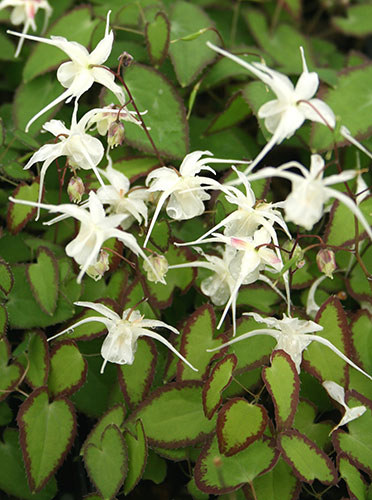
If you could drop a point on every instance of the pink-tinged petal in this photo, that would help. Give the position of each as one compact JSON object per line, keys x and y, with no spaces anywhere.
{"x":100,"y":308}
{"x":306,"y":86}
{"x":318,"y":111}
{"x":103,"y":49}
{"x":105,"y":78}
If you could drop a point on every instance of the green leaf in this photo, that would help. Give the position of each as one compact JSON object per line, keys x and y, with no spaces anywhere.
{"x":7,"y":48}
{"x":218,"y":380}
{"x":197,"y":337}
{"x":113,"y":416}
{"x":236,"y":110}
{"x":6,"y":277}
{"x":68,"y":369}
{"x":46,"y":57}
{"x":357,"y":22}
{"x":355,"y":484}
{"x":189,"y":58}
{"x":156,"y":468}
{"x":136,"y":379}
{"x":358,"y":284}
{"x":277,"y":483}
{"x":47,"y":431}
{"x":107,"y":463}
{"x":137,"y":456}
{"x":6,"y":414}
{"x":283,"y":384}
{"x":10,"y":374}
{"x":12,"y":471}
{"x":3,"y":320}
{"x":160,"y":236}
{"x":33,"y":96}
{"x":36,"y":360}
{"x":166,"y":113}
{"x":43,"y":280}
{"x":361,"y":331}
{"x":294,"y":7}
{"x":239,"y":424}
{"x":307,"y":460}
{"x":18,"y":215}
{"x":346,"y":103}
{"x":173,"y":416}
{"x":157,"y":38}
{"x":218,"y":474}
{"x":15,"y":171}
{"x":304,"y":422}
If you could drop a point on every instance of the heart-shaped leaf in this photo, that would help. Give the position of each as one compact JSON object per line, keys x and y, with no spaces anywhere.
{"x":157,"y":38}
{"x":36,"y":359}
{"x":44,"y":280}
{"x":18,"y":215}
{"x":47,"y":431}
{"x":354,"y":480}
{"x":279,"y":482}
{"x":114,"y":416}
{"x":10,"y":374}
{"x":68,"y":369}
{"x":137,"y":456}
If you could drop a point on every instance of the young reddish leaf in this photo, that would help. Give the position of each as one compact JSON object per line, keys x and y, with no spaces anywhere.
{"x":68,"y":369}
{"x":3,"y":320}
{"x":107,"y":463}
{"x":354,"y":480}
{"x":10,"y":374}
{"x":13,"y":480}
{"x":307,"y":460}
{"x":197,"y":337}
{"x":6,"y":277}
{"x":283,"y":383}
{"x":218,"y":380}
{"x":239,"y":424}
{"x":319,"y":359}
{"x":36,"y":361}
{"x":47,"y":431}
{"x":278,"y":483}
{"x":157,"y":38}
{"x":236,"y":110}
{"x":173,"y":416}
{"x":137,"y":456}
{"x":216,"y":474}
{"x":113,"y":416}
{"x":18,"y":215}
{"x":354,"y":443}
{"x":43,"y":278}
{"x":135,"y":380}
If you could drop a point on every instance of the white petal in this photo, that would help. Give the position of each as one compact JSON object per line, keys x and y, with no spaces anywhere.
{"x":103,"y":49}
{"x":307,"y":85}
{"x":100,"y":308}
{"x":318,"y":111}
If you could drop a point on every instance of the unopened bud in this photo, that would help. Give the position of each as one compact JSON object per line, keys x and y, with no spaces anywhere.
{"x":75,"y":189}
{"x":159,"y":263}
{"x":115,"y":134}
{"x":126,"y":59}
{"x":97,"y":270}
{"x":326,"y":261}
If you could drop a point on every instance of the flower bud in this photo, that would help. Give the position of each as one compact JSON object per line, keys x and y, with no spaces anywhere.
{"x":97,"y":270}
{"x":160,"y":264}
{"x":115,"y":134}
{"x":326,"y":261}
{"x":126,"y":59}
{"x":75,"y":189}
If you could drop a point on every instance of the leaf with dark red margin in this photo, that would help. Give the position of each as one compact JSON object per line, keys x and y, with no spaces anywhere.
{"x":198,"y":336}
{"x":157,"y":35}
{"x":136,"y":379}
{"x":43,"y":277}
{"x":305,"y":423}
{"x":36,"y":359}
{"x":277,"y":484}
{"x":6,"y":277}
{"x":107,"y":463}
{"x":10,"y":374}
{"x":47,"y":431}
{"x":114,"y":415}
{"x":356,"y":443}
{"x":216,"y":474}
{"x":137,"y":456}
{"x":218,"y":380}
{"x":68,"y":369}
{"x":361,"y":333}
{"x":318,"y":359}
{"x":18,"y":215}
{"x":283,"y":384}
{"x":356,"y":485}
{"x":308,"y":462}
{"x":3,"y":320}
{"x":239,"y":424}
{"x":173,"y":416}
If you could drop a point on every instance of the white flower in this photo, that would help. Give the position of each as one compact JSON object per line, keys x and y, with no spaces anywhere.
{"x":185,"y":189}
{"x":310,"y":191}
{"x":82,"y":150}
{"x":79,"y":74}
{"x":108,"y":115}
{"x":294,"y":104}
{"x":130,"y":204}
{"x":121,"y":342}
{"x":95,"y":229}
{"x":24,"y":12}
{"x":337,"y":392}
{"x":292,"y":336}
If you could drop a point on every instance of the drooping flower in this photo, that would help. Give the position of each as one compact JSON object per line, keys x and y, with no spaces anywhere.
{"x":293,"y":336}
{"x":184,"y":188}
{"x":95,"y":229}
{"x":293,"y":105}
{"x":123,"y":332}
{"x":24,"y":12}
{"x":337,"y":392}
{"x":79,"y":74}
{"x":82,"y":150}
{"x":310,"y":191}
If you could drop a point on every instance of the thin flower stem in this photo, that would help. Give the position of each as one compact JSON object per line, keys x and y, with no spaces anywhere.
{"x":132,"y":264}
